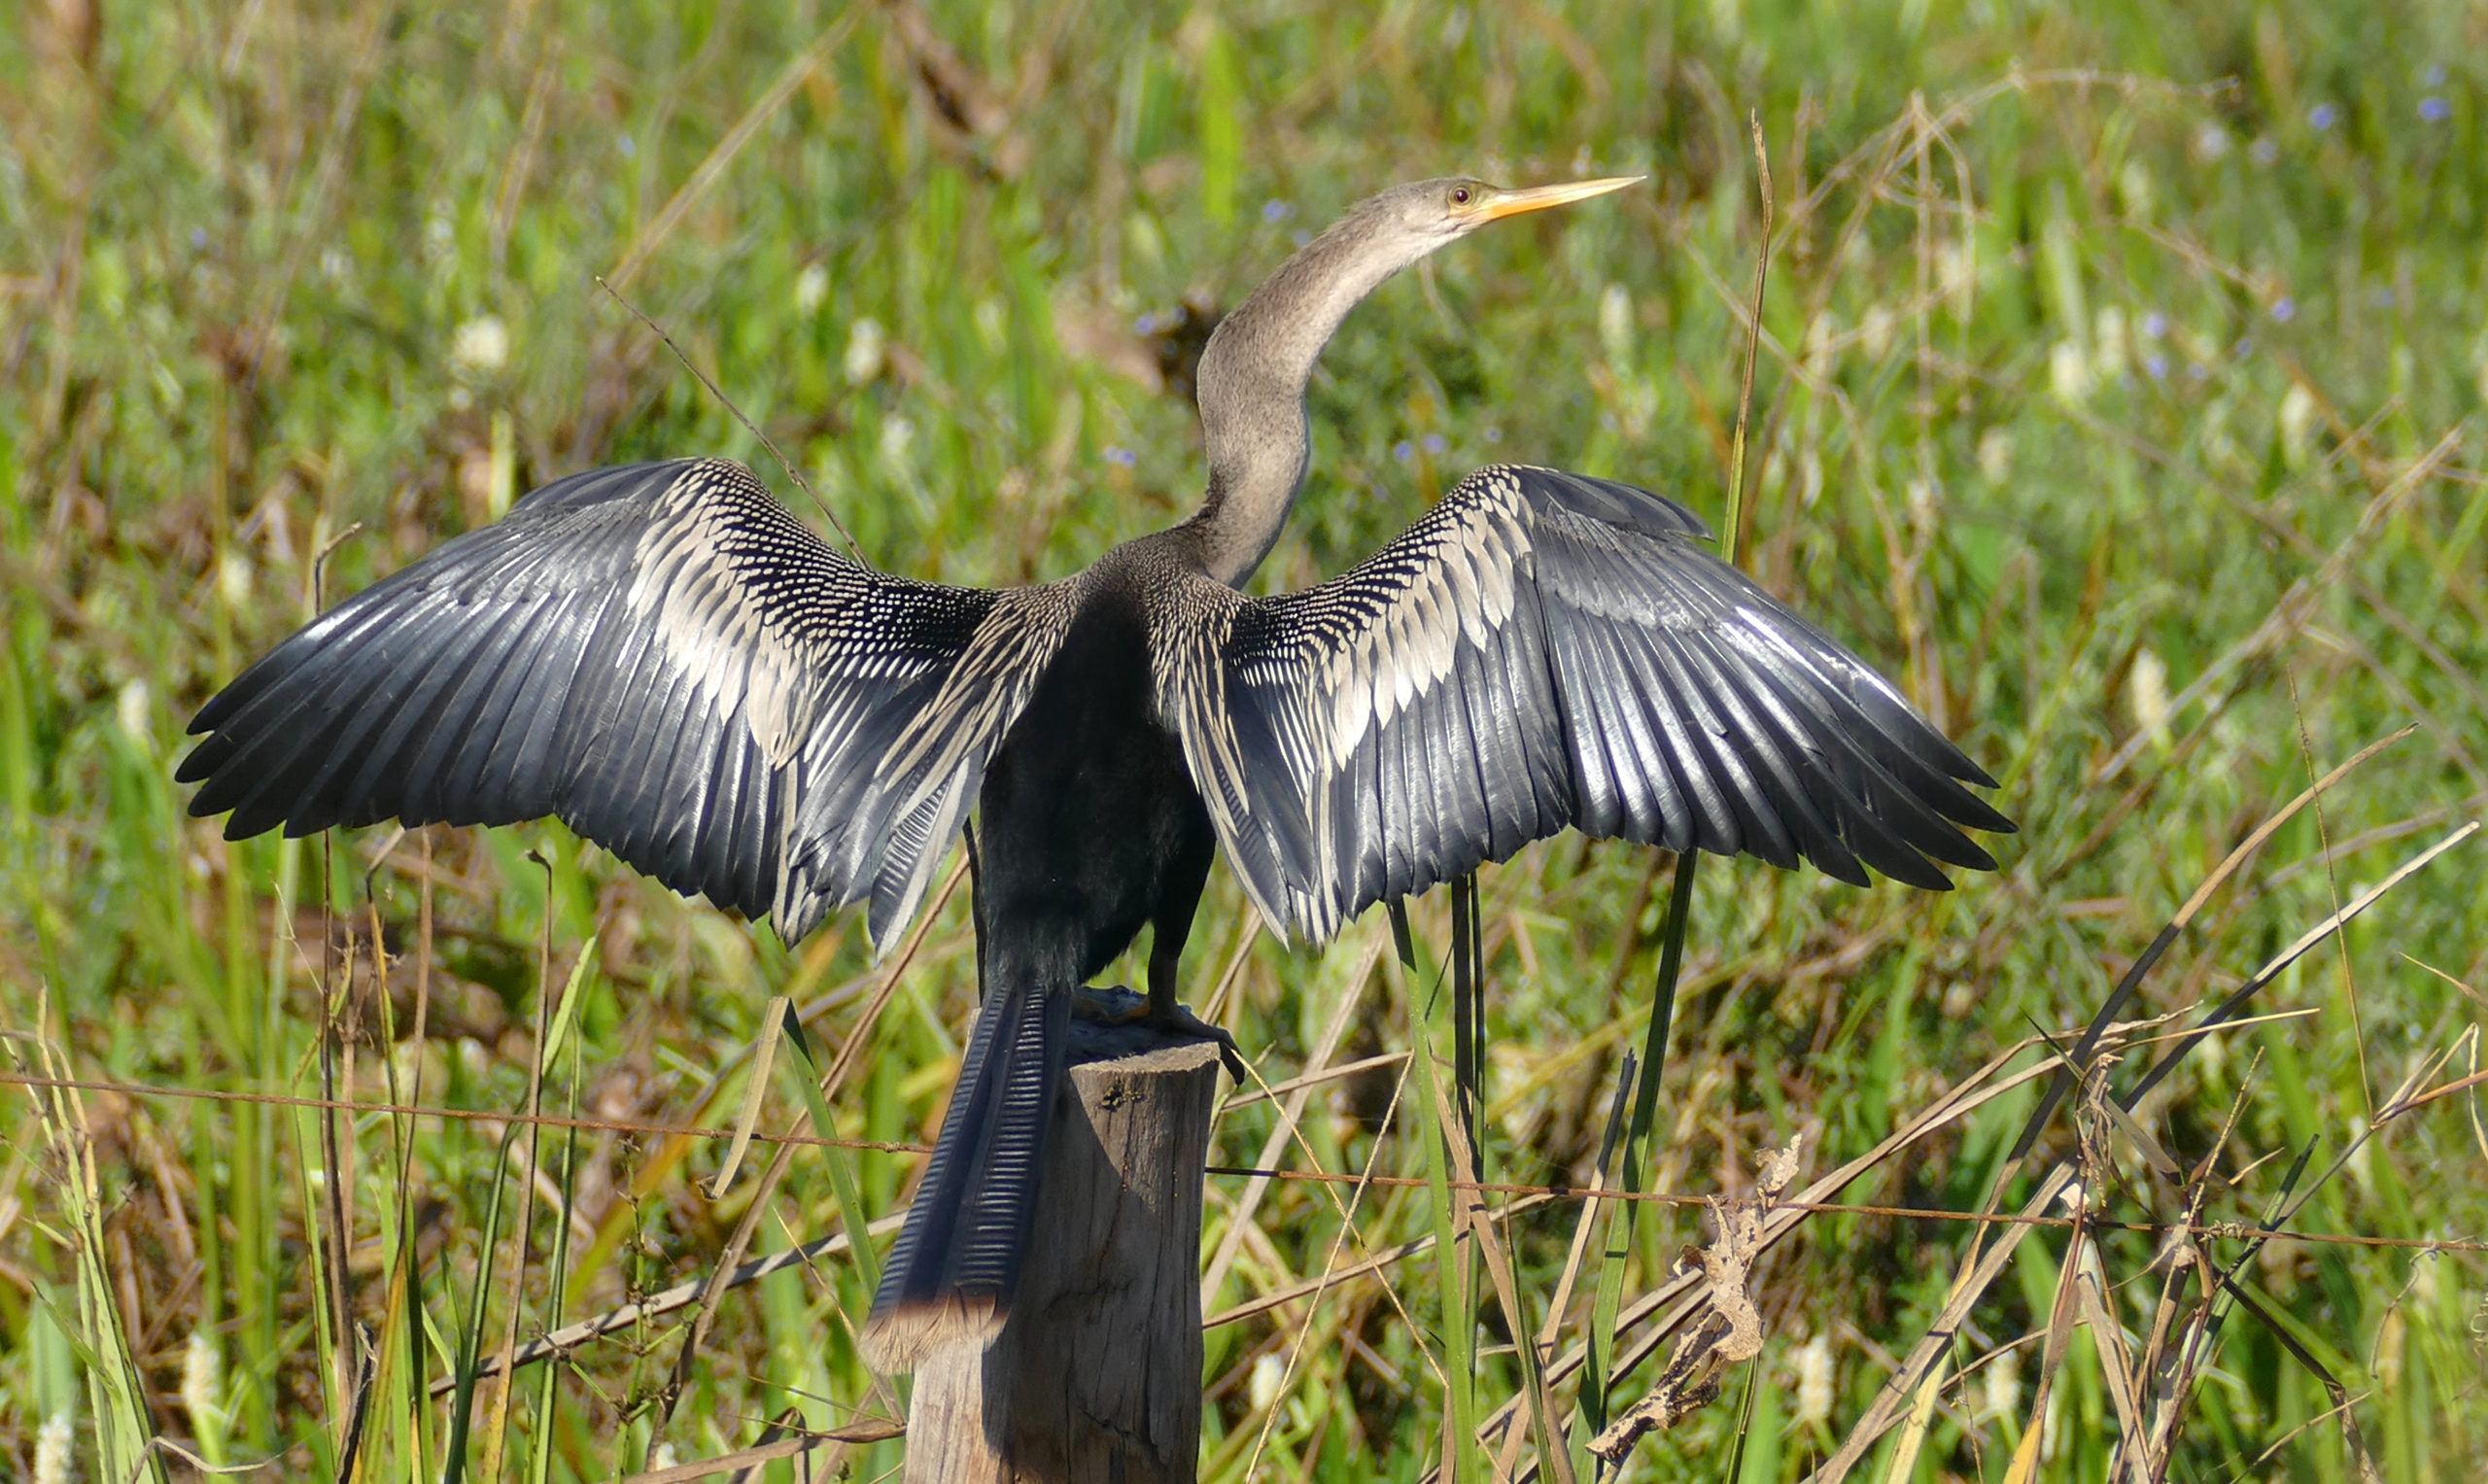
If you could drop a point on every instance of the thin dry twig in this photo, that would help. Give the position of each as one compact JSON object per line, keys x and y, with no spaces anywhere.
{"x":1884,"y":1411}
{"x":784,"y":1159}
{"x":657,"y":1305}
{"x":1290,"y":1114}
{"x":1472,"y":1221}
{"x":871,"y":1430}
{"x":1668,"y":1306}
{"x":748,"y":426}
{"x":1730,"y":1328}
{"x":2298,"y":603}
{"x":649,"y":238}
{"x":2132,"y":981}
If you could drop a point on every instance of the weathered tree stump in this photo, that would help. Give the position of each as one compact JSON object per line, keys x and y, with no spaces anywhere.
{"x":1096,"y":1375}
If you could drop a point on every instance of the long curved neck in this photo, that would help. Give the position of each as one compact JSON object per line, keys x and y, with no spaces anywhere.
{"x":1251,"y":386}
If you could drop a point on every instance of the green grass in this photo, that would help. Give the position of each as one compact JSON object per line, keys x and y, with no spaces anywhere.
{"x":2127,"y":382}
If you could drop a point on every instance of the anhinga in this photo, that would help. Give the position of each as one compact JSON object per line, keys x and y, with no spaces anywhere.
{"x":664,"y":658}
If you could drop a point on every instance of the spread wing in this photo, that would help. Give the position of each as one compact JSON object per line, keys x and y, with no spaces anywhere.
{"x":664,"y":658}
{"x":1540,"y":650}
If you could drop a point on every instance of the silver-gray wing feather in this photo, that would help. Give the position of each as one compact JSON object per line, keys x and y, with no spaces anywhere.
{"x":660,"y":655}
{"x":1542,"y":650}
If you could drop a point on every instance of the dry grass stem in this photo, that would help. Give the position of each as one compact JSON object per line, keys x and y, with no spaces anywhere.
{"x":1729,"y":1328}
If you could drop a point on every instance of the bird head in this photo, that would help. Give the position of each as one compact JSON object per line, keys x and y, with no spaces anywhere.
{"x":1408,"y":222}
{"x":1253,"y":371}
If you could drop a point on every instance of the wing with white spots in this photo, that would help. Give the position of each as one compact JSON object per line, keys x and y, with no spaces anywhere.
{"x":930,"y":774}
{"x":660,"y":655}
{"x":1540,"y":650}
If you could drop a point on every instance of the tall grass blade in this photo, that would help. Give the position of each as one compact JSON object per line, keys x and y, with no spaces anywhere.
{"x":557,"y":1280}
{"x":1467,"y":1010}
{"x":1585,"y":1230}
{"x":469,"y":1339}
{"x":853,"y":1216}
{"x":756,"y":1097}
{"x":1462,"y":1462}
{"x":309,"y":1177}
{"x":116,"y":1392}
{"x":497,"y":1429}
{"x":1597,"y":1344}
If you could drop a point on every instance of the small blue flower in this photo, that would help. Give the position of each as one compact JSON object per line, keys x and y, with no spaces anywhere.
{"x":1146,"y":324}
{"x":198,"y":238}
{"x":1494,"y":435}
{"x":2433,"y":77}
{"x":2156,"y":364}
{"x":627,"y":148}
{"x":1114,"y":454}
{"x":1301,"y":237}
{"x":2154,"y":325}
{"x":2199,"y":371}
{"x":1433,"y":442}
{"x":2435,"y":110}
{"x":2321,"y":117}
{"x":2244,"y":347}
{"x":2285,"y":309}
{"x":1275,"y":212}
{"x":1403,"y":450}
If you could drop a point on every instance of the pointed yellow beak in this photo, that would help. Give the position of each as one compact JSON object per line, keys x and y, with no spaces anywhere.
{"x":1511,"y":203}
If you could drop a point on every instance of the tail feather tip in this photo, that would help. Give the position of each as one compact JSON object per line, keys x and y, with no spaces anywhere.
{"x":902,"y":1337}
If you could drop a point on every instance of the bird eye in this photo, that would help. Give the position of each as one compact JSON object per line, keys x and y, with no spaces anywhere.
{"x":1460,"y":195}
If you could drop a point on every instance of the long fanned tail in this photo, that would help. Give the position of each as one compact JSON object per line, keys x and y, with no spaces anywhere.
{"x":952,"y":1274}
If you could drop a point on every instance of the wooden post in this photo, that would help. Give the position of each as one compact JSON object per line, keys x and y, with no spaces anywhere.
{"x":1097,"y":1372}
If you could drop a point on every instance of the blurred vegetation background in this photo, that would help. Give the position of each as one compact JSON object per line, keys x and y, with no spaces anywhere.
{"x":2121,"y":389}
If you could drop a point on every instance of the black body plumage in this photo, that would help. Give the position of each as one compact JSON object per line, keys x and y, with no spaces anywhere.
{"x":1089,"y":828}
{"x":664,"y":658}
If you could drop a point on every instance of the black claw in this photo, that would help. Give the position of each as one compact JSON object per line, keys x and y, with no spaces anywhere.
{"x":1230,"y":1057}
{"x":1115,"y":1005}
{"x":1183,"y":1023}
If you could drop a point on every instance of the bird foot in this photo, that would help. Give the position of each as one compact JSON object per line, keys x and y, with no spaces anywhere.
{"x":1178,"y":1021}
{"x":1115,"y":1006}
{"x":1109,"y":1005}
